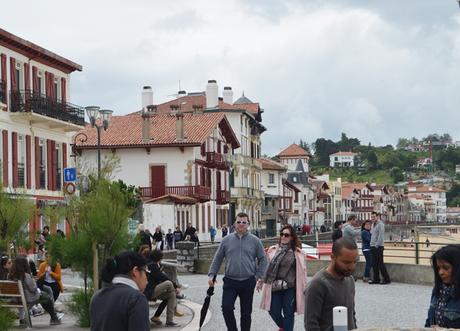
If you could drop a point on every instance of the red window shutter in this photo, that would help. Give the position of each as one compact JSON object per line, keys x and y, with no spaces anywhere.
{"x":203,"y":218}
{"x":37,"y":163}
{"x":203,"y":149}
{"x":219,"y":147}
{"x":63,"y":90}
{"x":5,"y":157}
{"x":225,"y":149}
{"x":208,"y":178}
{"x":52,"y":94}
{"x":53,"y":165}
{"x":35,"y":79}
{"x":197,"y":219}
{"x":26,"y":77}
{"x":49,"y":164}
{"x":64,"y":155}
{"x":28,"y":165}
{"x":3,"y":78}
{"x":14,"y":83}
{"x":14,"y":156}
{"x":48,"y":86}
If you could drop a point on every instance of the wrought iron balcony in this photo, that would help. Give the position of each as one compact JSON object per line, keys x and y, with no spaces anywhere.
{"x":2,"y":91}
{"x":201,"y":193}
{"x":26,"y":101}
{"x":222,"y":197}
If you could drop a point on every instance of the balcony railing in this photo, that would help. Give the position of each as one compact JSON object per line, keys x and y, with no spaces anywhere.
{"x":246,"y":192}
{"x":2,"y":91}
{"x":222,"y":197}
{"x":214,"y":159}
{"x":27,"y":101}
{"x":201,"y":193}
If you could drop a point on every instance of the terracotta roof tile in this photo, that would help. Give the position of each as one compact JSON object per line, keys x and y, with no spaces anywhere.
{"x":294,"y":150}
{"x":268,"y":164}
{"x":127,"y":130}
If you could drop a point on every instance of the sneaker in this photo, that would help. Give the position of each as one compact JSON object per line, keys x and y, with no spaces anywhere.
{"x":184,"y":286}
{"x":55,"y":321}
{"x":180,"y":296}
{"x":171,"y":323}
{"x":372,"y":282}
{"x":156,"y":320}
{"x":60,"y":316}
{"x":22,"y":322}
{"x":178,"y":313}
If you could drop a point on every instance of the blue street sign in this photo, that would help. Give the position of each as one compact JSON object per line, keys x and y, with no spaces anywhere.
{"x":70,"y":174}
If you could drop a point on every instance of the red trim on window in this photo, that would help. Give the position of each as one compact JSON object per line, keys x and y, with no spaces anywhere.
{"x":37,"y":163}
{"x":26,"y":76}
{"x":64,"y":155}
{"x":28,"y":165}
{"x":14,"y":158}
{"x":5,"y":157}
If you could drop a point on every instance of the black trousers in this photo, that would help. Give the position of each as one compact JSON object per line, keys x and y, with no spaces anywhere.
{"x":245,"y":291}
{"x":378,"y":266}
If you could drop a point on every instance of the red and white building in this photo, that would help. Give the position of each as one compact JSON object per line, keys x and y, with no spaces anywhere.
{"x":431,"y":198}
{"x":37,"y":121}
{"x":178,"y":159}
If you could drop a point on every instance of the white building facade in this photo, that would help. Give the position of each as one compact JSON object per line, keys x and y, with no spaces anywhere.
{"x":342,"y":159}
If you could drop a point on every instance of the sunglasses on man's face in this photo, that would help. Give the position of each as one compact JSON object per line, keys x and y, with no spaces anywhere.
{"x":242,"y":222}
{"x":285,"y":234}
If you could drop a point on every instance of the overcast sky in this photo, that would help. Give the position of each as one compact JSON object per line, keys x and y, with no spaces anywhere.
{"x":377,"y":70}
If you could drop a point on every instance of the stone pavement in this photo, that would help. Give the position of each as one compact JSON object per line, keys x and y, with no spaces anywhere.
{"x":377,"y":307}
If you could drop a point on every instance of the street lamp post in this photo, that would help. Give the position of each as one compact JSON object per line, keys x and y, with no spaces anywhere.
{"x":94,"y":113}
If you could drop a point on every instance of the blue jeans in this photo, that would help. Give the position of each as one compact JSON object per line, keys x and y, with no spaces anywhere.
{"x":367,"y":268}
{"x":231,"y":290}
{"x":283,"y":301}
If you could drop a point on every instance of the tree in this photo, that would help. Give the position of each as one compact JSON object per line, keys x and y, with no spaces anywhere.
{"x":402,"y":143}
{"x":396,"y":174}
{"x":372,"y":162}
{"x":15,"y":212}
{"x":324,"y":148}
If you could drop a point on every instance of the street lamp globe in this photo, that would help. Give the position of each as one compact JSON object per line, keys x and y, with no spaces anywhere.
{"x":93,"y":114}
{"x":105,"y":115}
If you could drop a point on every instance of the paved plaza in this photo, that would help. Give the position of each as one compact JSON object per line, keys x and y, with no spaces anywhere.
{"x":377,"y":306}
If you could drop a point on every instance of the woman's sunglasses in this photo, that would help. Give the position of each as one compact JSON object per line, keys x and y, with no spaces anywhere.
{"x":285,"y":234}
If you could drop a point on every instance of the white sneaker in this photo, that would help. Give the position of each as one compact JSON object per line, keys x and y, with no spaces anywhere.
{"x":184,"y":286}
{"x":60,"y":316}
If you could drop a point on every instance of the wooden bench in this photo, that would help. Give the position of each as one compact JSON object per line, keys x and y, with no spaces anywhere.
{"x":12,"y":296}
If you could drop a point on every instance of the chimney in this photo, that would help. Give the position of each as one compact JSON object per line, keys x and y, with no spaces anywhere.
{"x":197,"y":109}
{"x":181,"y":94}
{"x":212,"y":94}
{"x":180,"y":127}
{"x":228,"y":95}
{"x":147,"y":97}
{"x":146,"y":114}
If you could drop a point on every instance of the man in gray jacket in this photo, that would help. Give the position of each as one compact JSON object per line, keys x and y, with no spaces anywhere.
{"x":377,"y":243}
{"x":350,"y":229}
{"x":245,"y":263}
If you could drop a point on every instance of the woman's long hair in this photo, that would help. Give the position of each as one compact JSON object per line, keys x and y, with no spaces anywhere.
{"x":20,"y":268}
{"x":122,"y":264}
{"x":295,"y":242}
{"x":364,"y":224}
{"x":451,"y":255}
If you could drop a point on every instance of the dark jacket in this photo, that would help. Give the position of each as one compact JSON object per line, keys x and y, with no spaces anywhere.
{"x":366,"y":239}
{"x":119,"y":308}
{"x":191,"y":231}
{"x":178,"y":236}
{"x":158,"y":236}
{"x":145,"y":239}
{"x":155,"y":277}
{"x":452,"y":313}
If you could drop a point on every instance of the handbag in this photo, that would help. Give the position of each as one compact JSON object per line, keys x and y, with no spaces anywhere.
{"x":279,"y":285}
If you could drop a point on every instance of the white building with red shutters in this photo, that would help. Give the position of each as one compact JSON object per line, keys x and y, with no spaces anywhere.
{"x":178,"y":159}
{"x":433,"y":198}
{"x":37,"y":121}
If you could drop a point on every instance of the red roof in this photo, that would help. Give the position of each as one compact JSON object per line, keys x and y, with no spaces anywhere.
{"x":344,"y":154}
{"x":347,"y":188}
{"x":268,"y":164}
{"x":174,"y":198}
{"x":294,"y":150}
{"x":424,"y":189}
{"x":126,"y":131}
{"x":187,"y":102}
{"x":37,"y":53}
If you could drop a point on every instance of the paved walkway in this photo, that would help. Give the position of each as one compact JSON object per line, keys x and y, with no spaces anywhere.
{"x":377,"y":306}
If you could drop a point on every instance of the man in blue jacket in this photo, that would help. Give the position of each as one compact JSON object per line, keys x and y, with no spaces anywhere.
{"x":245,"y":263}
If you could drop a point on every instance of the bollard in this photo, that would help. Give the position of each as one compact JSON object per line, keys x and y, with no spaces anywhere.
{"x":340,"y":318}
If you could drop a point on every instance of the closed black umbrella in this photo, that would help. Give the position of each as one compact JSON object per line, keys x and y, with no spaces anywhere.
{"x":207,"y":300}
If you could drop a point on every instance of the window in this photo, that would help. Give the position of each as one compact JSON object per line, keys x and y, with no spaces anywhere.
{"x":21,"y":160}
{"x":42,"y":164}
{"x":40,"y":85}
{"x":57,"y":158}
{"x":271,"y":178}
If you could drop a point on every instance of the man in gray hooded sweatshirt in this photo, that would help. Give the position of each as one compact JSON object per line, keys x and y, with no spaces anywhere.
{"x":245,"y":263}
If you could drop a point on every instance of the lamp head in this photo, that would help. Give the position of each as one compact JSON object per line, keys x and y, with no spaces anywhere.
{"x":93,"y":114}
{"x":106,"y":116}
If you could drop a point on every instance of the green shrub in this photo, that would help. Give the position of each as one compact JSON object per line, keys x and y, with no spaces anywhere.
{"x":78,"y":305}
{"x":7,"y":319}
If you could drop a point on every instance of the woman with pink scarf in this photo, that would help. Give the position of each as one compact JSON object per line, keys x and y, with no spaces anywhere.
{"x":285,"y":280}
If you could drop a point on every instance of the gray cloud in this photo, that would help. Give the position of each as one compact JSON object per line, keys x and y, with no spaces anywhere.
{"x":377,"y":70}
